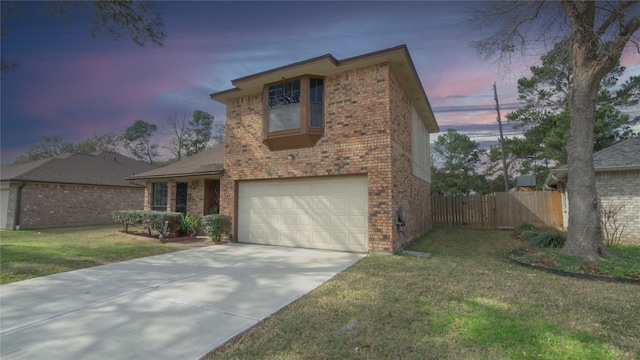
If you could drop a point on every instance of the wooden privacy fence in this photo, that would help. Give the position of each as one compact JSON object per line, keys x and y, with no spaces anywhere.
{"x":498,"y":210}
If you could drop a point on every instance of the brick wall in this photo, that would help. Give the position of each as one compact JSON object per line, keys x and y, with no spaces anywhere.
{"x":201,"y":195}
{"x":51,"y":205}
{"x":622,"y":188}
{"x":357,"y":140}
{"x":409,"y":191}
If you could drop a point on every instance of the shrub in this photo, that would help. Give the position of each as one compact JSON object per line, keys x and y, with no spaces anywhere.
{"x":548,"y":239}
{"x":189,"y":224}
{"x":524,"y":227}
{"x":150,"y":220}
{"x":215,"y":225}
{"x":154,"y":220}
{"x":613,"y":228}
{"x":127,"y":217}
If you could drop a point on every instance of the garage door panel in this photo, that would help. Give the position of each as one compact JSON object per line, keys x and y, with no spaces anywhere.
{"x":304,"y":204}
{"x":341,"y":188}
{"x":300,"y":189}
{"x":303,"y":238}
{"x":289,"y":219}
{"x":355,"y":238}
{"x":303,"y":220}
{"x":288,"y":203}
{"x":339,"y":221}
{"x":338,"y":204}
{"x":340,"y":239}
{"x":272,"y":203}
{"x":321,"y":204}
{"x":358,"y":222}
{"x":287,"y":236}
{"x":321,"y":221}
{"x":319,"y":213}
{"x":319,"y":237}
{"x":357,"y":204}
{"x":259,"y":218}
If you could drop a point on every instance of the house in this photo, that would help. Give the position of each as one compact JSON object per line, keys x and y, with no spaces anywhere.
{"x":69,"y":190}
{"x":330,"y":154}
{"x":617,"y":183}
{"x":189,"y":186}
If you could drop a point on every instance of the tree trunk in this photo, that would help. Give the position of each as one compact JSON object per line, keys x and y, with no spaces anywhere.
{"x":585,"y":236}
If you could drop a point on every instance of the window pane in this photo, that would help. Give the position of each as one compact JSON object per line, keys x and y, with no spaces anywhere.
{"x":316,"y":90}
{"x":284,"y":106}
{"x":284,"y":94}
{"x":159,"y":196}
{"x":284,"y":117}
{"x":316,"y":97}
{"x":316,"y":115}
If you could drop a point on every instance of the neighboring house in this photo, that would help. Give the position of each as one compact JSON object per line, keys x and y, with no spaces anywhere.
{"x":617,"y":183}
{"x":189,"y":186}
{"x":69,"y":190}
{"x":330,"y":154}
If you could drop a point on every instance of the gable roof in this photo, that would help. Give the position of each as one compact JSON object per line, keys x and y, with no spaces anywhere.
{"x":103,"y":168}
{"x":325,"y":65}
{"x":206,"y":163}
{"x":623,"y":156}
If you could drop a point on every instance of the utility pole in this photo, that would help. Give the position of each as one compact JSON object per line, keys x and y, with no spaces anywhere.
{"x":504,"y":157}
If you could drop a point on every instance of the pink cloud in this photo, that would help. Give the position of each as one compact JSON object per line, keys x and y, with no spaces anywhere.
{"x":98,"y":87}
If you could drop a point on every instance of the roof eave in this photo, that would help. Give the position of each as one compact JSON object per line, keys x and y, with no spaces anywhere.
{"x":560,"y":175}
{"x":14,"y":180}
{"x":618,"y":168}
{"x":177,"y":175}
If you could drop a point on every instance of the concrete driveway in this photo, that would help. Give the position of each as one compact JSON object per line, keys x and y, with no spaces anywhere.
{"x":173,"y":306}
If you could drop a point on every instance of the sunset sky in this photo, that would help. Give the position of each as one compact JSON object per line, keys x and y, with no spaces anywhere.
{"x":73,"y":86}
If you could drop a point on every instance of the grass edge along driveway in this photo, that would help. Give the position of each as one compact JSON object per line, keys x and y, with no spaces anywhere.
{"x":27,"y":254}
{"x":465,"y":302}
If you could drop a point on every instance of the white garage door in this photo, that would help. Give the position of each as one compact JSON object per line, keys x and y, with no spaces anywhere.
{"x":4,"y":207}
{"x":313,"y":213}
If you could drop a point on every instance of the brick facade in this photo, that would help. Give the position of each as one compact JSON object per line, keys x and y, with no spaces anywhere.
{"x":622,"y":188}
{"x":50,"y":205}
{"x":367,"y":131}
{"x":202,"y":195}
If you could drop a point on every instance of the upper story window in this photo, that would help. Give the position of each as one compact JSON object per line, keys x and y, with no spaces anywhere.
{"x":284,"y":106}
{"x":293,"y":113}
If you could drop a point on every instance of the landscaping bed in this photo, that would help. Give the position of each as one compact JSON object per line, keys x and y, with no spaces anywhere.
{"x":622,"y":263}
{"x":624,"y":266}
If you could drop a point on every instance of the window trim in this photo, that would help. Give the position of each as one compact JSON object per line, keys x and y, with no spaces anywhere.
{"x":303,"y":136}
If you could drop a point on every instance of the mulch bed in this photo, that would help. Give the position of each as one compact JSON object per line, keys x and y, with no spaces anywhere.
{"x":185,"y":240}
{"x":589,"y":272}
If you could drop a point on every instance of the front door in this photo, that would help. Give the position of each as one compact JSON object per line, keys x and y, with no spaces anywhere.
{"x":181,"y":197}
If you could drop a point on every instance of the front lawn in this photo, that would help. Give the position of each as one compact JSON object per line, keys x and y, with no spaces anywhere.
{"x":466,"y":301}
{"x":27,"y":254}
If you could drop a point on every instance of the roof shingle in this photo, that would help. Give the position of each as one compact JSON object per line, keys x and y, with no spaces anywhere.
{"x":208,"y":162}
{"x":625,"y":153}
{"x":103,"y":168}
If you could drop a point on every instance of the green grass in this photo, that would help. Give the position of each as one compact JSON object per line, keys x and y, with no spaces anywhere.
{"x":466,"y":301}
{"x":27,"y":254}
